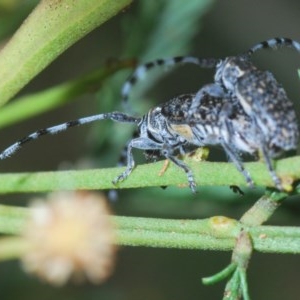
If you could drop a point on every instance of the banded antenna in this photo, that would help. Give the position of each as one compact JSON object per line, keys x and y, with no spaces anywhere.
{"x":141,"y":71}
{"x":275,"y":43}
{"x":114,"y":116}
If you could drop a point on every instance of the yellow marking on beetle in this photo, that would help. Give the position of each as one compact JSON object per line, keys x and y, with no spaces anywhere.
{"x":183,"y":130}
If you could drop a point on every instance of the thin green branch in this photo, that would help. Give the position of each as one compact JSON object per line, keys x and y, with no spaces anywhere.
{"x":233,"y":289}
{"x":244,"y":285}
{"x":258,"y":214}
{"x":48,"y":31}
{"x":12,"y":219}
{"x":216,"y":233}
{"x":206,"y":174}
{"x":13,"y":247}
{"x":261,"y":211}
{"x":223,"y":274}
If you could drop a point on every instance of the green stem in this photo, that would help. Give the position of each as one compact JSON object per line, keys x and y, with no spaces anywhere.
{"x":206,"y":174}
{"x":262,"y":210}
{"x":12,"y":219}
{"x":48,"y":31}
{"x":13,"y":247}
{"x":216,"y":233}
{"x":244,"y":285}
{"x":258,"y":214}
{"x":233,"y":290}
{"x":220,"y":275}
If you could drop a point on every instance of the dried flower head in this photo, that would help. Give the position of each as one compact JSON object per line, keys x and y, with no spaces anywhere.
{"x":71,"y":235}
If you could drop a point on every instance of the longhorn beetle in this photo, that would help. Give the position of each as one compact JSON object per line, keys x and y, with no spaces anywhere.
{"x":165,"y":131}
{"x":216,"y":115}
{"x":260,"y":95}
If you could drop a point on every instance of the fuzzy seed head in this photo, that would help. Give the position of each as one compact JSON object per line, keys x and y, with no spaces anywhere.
{"x":71,"y":235}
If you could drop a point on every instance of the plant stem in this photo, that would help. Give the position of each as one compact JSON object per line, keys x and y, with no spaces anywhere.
{"x":12,"y":247}
{"x":219,"y":276}
{"x":216,"y":233}
{"x":205,"y":173}
{"x":12,"y":219}
{"x":261,"y":211}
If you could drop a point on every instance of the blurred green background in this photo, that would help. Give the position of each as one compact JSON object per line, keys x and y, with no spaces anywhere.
{"x":148,"y":30}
